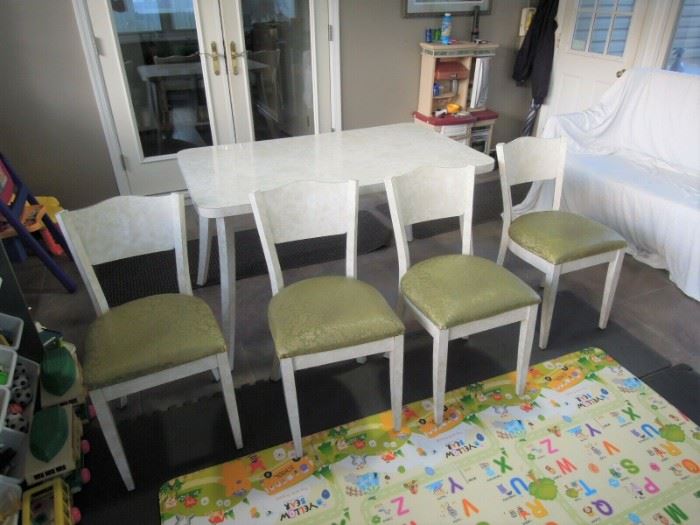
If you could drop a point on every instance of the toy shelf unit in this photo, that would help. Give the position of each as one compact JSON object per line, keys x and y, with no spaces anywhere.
{"x":454,"y":79}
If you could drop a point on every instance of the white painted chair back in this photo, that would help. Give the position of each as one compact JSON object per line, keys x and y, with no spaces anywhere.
{"x":126,"y":226}
{"x":530,"y":159}
{"x":306,"y":210}
{"x":426,"y":194}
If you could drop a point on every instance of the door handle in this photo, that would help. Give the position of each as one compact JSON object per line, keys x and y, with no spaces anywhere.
{"x":620,"y":73}
{"x":215,"y":59}
{"x":234,"y":57}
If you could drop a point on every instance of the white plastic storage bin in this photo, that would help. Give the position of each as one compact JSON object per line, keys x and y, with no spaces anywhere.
{"x":11,"y":326}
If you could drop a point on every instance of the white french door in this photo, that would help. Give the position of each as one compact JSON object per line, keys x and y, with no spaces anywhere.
{"x":597,"y":40}
{"x":187,"y":73}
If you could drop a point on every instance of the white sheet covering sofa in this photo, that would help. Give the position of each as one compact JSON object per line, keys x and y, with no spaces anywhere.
{"x":633,"y":163}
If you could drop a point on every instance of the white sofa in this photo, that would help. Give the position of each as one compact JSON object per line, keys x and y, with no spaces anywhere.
{"x":633,"y":163}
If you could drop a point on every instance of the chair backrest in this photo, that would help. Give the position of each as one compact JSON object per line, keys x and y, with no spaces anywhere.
{"x":306,"y":210}
{"x":126,"y":226}
{"x":530,"y":159}
{"x":426,"y":194}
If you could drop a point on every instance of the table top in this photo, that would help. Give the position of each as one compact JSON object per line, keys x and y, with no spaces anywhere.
{"x":220,"y":178}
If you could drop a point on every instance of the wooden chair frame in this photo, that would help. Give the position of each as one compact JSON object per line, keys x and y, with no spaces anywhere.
{"x":530,"y":159}
{"x":320,"y":209}
{"x":129,"y":226}
{"x":437,"y":193}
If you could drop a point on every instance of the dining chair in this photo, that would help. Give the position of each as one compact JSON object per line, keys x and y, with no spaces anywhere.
{"x":553,"y":241}
{"x":324,"y":319}
{"x":454,"y":296}
{"x":152,"y":340}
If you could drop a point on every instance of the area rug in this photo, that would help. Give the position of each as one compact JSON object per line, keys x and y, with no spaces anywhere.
{"x":587,"y":443}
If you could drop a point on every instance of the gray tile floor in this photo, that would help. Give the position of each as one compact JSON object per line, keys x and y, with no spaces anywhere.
{"x":647,"y":305}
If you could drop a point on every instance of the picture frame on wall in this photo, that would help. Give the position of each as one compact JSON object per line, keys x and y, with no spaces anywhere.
{"x":434,"y":8}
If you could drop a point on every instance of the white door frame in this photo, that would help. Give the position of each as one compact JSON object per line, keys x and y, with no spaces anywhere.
{"x":99,"y":88}
{"x":657,"y":33}
{"x":109,"y":128}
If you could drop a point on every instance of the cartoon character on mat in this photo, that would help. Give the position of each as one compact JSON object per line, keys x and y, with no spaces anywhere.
{"x":288,"y":474}
{"x":234,"y":477}
{"x":256,"y":463}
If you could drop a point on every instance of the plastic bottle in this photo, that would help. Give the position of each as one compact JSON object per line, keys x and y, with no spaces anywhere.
{"x":428,"y":35}
{"x":446,"y":29}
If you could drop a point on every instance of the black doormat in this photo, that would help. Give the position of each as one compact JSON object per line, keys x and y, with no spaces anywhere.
{"x":182,"y":439}
{"x":128,"y":279}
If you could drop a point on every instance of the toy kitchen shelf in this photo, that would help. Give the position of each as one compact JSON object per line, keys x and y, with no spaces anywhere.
{"x":447,"y":78}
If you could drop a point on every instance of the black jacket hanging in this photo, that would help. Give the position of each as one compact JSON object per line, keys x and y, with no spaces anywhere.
{"x":534,"y":59}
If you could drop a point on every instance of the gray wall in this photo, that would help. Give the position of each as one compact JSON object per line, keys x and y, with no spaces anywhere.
{"x":50,"y":128}
{"x":380,"y":60}
{"x":49,"y":125}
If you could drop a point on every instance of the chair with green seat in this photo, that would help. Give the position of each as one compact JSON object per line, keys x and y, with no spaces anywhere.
{"x":326,"y":319}
{"x":149,"y":341}
{"x":553,"y":241}
{"x":454,"y":296}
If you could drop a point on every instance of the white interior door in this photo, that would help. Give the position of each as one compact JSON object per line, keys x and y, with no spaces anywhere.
{"x":596,"y":41}
{"x":166,"y":80}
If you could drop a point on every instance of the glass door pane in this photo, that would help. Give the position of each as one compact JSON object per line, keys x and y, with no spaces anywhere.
{"x":161,"y":60}
{"x":279,"y":57}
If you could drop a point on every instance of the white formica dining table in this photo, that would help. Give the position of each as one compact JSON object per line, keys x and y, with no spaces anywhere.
{"x":220,"y":178}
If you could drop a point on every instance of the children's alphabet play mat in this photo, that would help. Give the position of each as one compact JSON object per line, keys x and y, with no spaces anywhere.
{"x":588,"y":443}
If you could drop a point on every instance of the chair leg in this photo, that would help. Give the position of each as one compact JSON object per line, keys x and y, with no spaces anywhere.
{"x":503,"y":247}
{"x":440,"y":343}
{"x":275,"y":371}
{"x":527,"y":334}
{"x":548,"y":300}
{"x":409,"y":233}
{"x":361,"y":360}
{"x":396,"y":380}
{"x":611,"y":280}
{"x":204,"y":250}
{"x":114,"y":442}
{"x":229,"y":393}
{"x":401,"y":307}
{"x":290,"y":399}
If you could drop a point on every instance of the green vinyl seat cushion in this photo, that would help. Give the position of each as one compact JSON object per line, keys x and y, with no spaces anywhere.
{"x":452,"y":290}
{"x":327,"y":313}
{"x":559,"y":237}
{"x":148,"y":335}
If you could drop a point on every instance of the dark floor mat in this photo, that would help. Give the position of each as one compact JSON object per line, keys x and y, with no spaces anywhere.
{"x":163,"y":445}
{"x":679,"y":384}
{"x":129,"y":279}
